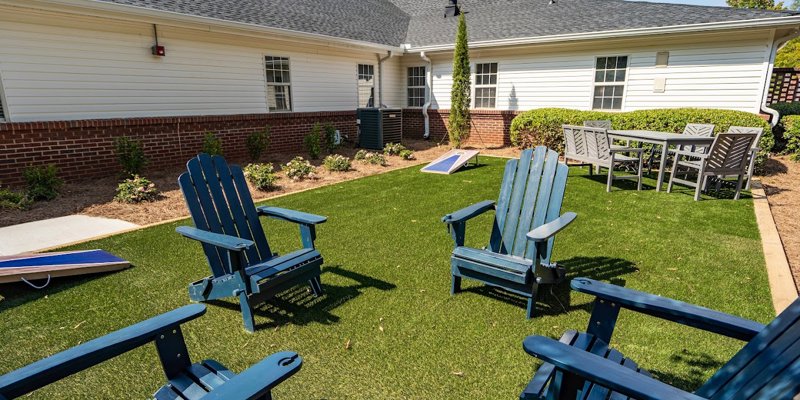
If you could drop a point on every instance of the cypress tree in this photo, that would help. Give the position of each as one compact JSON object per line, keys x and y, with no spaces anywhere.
{"x":459,"y":121}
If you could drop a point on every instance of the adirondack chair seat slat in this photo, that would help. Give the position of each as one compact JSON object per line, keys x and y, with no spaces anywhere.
{"x":227,"y":225}
{"x":526,"y":220}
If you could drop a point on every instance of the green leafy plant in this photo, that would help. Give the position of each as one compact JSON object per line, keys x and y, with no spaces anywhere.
{"x":361,"y":155}
{"x":312,"y":141}
{"x":791,"y":135}
{"x":393,"y":149}
{"x":786,"y":108}
{"x":136,"y":190}
{"x":299,"y":169}
{"x":406,"y":154}
{"x":212,"y":145}
{"x":543,"y":126}
{"x":257,"y":142}
{"x":130,"y":155}
{"x":458,"y":122}
{"x":337,"y":162}
{"x":261,"y":176}
{"x":330,"y":137}
{"x":10,"y":199}
{"x":368,"y":157}
{"x":42,"y":182}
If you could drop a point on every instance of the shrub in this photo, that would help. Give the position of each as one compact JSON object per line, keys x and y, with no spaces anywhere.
{"x":393,"y":149}
{"x":543,"y":126}
{"x":368,"y":157}
{"x":261,"y":176}
{"x":406,"y":154}
{"x":130,"y":155}
{"x":256,"y":143}
{"x":458,"y":121}
{"x":337,"y":162}
{"x":13,"y":200}
{"x":361,"y":155}
{"x":136,"y":190}
{"x":299,"y":169}
{"x":43,"y":182}
{"x":312,"y":141}
{"x":785,"y":109}
{"x":330,"y":137}
{"x":212,"y":145}
{"x":792,"y":136}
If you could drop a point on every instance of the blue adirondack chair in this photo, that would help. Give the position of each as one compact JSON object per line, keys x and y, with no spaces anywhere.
{"x":526,"y":221}
{"x":581,"y":365}
{"x":227,"y":224}
{"x":205,"y":380}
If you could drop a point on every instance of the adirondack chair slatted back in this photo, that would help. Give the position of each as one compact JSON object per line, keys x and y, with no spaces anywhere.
{"x":704,"y":130}
{"x":768,"y":367}
{"x":730,"y":153}
{"x":220,"y":202}
{"x":530,"y":196}
{"x":602,"y":124}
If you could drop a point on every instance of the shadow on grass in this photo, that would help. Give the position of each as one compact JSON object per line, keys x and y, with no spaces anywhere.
{"x":618,"y":184}
{"x":699,"y":364}
{"x":298,"y":306}
{"x":555,"y":299}
{"x":725,"y":191}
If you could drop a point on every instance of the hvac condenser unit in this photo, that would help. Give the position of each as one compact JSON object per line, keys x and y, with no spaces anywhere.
{"x":379,"y":126}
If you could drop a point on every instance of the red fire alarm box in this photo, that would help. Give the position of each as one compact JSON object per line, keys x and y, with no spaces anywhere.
{"x":159,"y":50}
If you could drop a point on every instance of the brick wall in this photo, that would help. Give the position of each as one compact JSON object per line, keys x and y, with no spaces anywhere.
{"x":84,"y":149}
{"x":490,"y":128}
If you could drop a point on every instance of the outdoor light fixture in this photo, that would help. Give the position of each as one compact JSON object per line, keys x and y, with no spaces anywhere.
{"x":157,"y":49}
{"x":452,"y":9}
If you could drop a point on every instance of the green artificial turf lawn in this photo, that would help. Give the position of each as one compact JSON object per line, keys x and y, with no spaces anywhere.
{"x":387,"y":280}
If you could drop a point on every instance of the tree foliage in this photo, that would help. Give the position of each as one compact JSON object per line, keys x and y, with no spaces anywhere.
{"x":789,"y":55}
{"x":762,"y":4}
{"x":459,"y":120}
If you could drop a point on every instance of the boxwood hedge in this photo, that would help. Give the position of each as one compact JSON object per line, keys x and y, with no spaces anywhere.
{"x":791,"y":135}
{"x":543,"y":126}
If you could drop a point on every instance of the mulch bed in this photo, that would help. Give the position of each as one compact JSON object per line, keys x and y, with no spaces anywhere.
{"x":782,"y":185}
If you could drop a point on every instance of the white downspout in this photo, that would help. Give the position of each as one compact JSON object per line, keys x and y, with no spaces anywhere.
{"x":428,"y":94}
{"x":380,"y":76}
{"x":776,"y":45}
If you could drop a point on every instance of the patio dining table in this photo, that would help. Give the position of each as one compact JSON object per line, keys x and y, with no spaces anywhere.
{"x":663,"y":139}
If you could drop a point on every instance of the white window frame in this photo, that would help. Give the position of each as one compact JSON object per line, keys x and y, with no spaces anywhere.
{"x":370,"y":85}
{"x":3,"y":103}
{"x":623,"y":83}
{"x":424,"y":86}
{"x":267,"y":84}
{"x":477,"y":85}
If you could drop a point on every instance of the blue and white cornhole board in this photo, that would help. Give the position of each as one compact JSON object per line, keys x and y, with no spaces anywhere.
{"x":451,"y":161}
{"x":26,"y":267}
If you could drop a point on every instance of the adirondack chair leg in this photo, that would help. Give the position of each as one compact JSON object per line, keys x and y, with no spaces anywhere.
{"x":455,"y":284}
{"x":750,"y":169}
{"x":701,"y":182}
{"x":247,"y":312}
{"x":532,"y":301}
{"x":610,"y":175}
{"x":316,"y":286}
{"x":639,"y":175}
{"x":738,"y":187}
{"x":719,"y":185}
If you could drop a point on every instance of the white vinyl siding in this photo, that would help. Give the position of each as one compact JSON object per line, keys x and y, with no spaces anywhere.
{"x":714,"y":72}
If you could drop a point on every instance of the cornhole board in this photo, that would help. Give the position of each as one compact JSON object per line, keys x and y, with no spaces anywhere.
{"x":30,"y":266}
{"x":451,"y":161}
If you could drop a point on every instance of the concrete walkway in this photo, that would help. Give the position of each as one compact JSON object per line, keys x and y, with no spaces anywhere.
{"x":39,"y":235}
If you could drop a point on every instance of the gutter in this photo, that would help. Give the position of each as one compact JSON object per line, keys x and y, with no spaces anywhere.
{"x":776,"y":45}
{"x":380,"y":76}
{"x":142,"y":14}
{"x":428,"y":95}
{"x":793,"y":20}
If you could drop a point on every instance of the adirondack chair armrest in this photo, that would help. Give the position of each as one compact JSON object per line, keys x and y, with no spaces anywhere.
{"x":58,"y":366}
{"x":550,"y":229}
{"x":469,"y":212}
{"x":599,"y":370}
{"x":227,"y":242}
{"x":669,"y":309}
{"x":298,"y":217}
{"x":258,"y":380}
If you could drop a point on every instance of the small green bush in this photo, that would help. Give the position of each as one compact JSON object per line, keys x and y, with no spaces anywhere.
{"x":261,"y":176}
{"x":393,"y":149}
{"x":42,"y":182}
{"x":130,"y":155}
{"x":136,"y":190}
{"x":406,"y":154}
{"x":212,"y":145}
{"x":330,"y":137}
{"x":543,"y":126}
{"x":337,"y":162}
{"x":13,"y":200}
{"x":257,"y":143}
{"x":299,"y":169}
{"x":361,"y":155}
{"x":368,"y":157}
{"x":312,"y":141}
{"x":785,"y":109}
{"x":791,"y":134}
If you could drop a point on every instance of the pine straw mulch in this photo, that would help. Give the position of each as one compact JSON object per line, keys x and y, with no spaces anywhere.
{"x":95,"y":197}
{"x":782,"y":185}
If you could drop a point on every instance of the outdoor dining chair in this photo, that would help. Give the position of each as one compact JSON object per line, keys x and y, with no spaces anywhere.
{"x":754,"y":151}
{"x":593,"y":146}
{"x":728,"y":156}
{"x":702,"y":130}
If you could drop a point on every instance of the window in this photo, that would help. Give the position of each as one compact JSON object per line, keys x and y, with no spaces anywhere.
{"x":416,"y":86}
{"x":366,"y":85}
{"x":485,"y":85}
{"x":279,"y":86}
{"x":609,"y":82}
